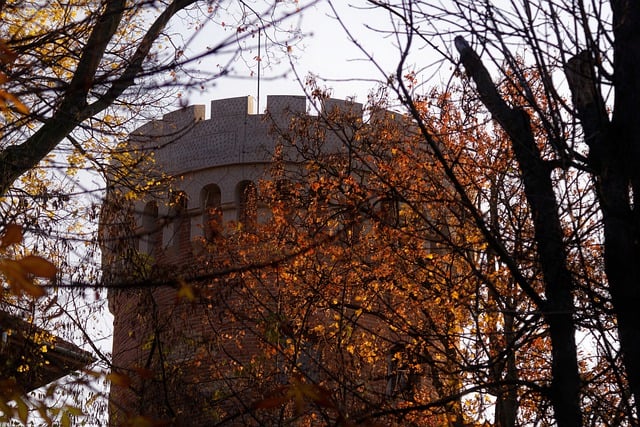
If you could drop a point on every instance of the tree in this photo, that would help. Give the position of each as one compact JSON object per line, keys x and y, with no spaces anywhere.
{"x":74,"y":77}
{"x":555,"y":137}
{"x":368,"y":294}
{"x":486,"y":230}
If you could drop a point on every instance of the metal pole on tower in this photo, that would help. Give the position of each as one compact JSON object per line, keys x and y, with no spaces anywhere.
{"x":259,"y":63}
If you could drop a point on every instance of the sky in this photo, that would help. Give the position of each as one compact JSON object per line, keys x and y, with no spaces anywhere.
{"x":324,"y":50}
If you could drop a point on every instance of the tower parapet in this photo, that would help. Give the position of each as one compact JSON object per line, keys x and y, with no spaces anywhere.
{"x":224,"y":153}
{"x":185,"y":142}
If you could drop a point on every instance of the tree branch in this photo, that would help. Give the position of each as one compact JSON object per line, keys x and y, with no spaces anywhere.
{"x":73,"y":110}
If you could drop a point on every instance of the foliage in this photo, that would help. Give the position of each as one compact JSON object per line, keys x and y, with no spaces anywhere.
{"x":571,"y":153}
{"x":394,"y":281}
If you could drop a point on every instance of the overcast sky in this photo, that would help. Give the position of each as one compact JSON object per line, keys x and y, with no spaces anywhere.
{"x":324,"y":51}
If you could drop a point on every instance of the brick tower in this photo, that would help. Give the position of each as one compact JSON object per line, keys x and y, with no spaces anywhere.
{"x":178,"y":359}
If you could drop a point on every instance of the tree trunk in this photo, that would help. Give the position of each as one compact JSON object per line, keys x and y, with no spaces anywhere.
{"x":620,"y":189}
{"x":536,"y":176}
{"x":614,"y":156}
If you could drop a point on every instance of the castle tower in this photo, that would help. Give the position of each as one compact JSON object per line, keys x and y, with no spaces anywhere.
{"x":176,"y":357}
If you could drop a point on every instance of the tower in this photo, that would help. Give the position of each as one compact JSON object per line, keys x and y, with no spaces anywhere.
{"x":179,"y":359}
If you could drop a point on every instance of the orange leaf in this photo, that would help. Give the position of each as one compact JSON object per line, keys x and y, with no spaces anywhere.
{"x":18,"y":281}
{"x":34,"y":290}
{"x":19,"y":106}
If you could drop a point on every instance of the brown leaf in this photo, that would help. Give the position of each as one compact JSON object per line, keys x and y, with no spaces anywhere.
{"x":17,"y":278}
{"x":12,"y":235}
{"x":270,"y":402}
{"x":119,"y":379}
{"x":38,"y":266}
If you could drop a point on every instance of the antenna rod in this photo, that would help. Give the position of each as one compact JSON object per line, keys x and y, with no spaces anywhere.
{"x":259,"y":61}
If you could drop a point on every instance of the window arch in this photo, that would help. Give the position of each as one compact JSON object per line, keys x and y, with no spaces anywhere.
{"x":179,"y":215}
{"x":211,"y":203}
{"x":247,"y":205}
{"x":151,"y":231}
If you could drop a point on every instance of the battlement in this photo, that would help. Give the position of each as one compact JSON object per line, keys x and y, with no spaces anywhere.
{"x":185,"y":141}
{"x":215,"y":160}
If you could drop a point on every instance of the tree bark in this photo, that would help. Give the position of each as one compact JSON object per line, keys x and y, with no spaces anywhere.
{"x":557,"y":308}
{"x":622,"y":221}
{"x":614,"y":156}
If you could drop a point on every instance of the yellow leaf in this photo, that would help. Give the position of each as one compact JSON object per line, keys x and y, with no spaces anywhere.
{"x":65,"y":421}
{"x":75,"y":411}
{"x":186,"y":292}
{"x":23,"y":410}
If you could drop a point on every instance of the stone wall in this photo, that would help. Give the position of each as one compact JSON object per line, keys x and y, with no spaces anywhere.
{"x":232,"y":147}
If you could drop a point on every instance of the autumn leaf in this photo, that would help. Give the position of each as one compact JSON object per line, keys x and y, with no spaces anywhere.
{"x":144,"y":373}
{"x":11,"y":236}
{"x":270,"y":402}
{"x":19,"y":280}
{"x":6,"y":97}
{"x":38,"y":266}
{"x":23,"y":409}
{"x":186,"y":292}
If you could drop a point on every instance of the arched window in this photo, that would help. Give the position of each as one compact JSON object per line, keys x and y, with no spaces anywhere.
{"x":179,"y":215}
{"x":151,"y":230}
{"x":247,"y":205}
{"x":210,"y":200}
{"x":402,"y":378}
{"x":389,"y":212}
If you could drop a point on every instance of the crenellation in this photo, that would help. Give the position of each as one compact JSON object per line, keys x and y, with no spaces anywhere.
{"x":185,"y":116}
{"x":286,"y":105}
{"x":344,"y":106}
{"x":240,"y":106}
{"x":233,"y":135}
{"x":233,"y":145}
